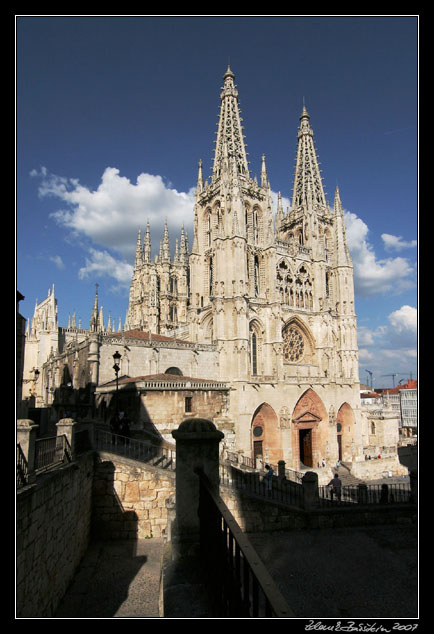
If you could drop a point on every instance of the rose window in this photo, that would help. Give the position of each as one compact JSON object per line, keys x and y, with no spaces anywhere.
{"x":293,"y":345}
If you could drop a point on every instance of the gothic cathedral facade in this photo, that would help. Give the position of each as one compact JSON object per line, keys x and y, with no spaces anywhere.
{"x":273,"y":291}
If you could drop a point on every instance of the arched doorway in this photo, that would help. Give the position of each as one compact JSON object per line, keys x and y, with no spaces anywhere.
{"x":308,"y":431}
{"x":345,"y":432}
{"x":265,"y":435}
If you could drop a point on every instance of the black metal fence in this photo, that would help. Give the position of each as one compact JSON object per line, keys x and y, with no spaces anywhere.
{"x":397,"y":493}
{"x":50,"y":452}
{"x":135,"y":449}
{"x":276,"y":489}
{"x":22,"y":472}
{"x":239,"y":583}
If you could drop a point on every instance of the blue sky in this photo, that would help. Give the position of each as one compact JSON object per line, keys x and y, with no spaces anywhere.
{"x":113,"y":115}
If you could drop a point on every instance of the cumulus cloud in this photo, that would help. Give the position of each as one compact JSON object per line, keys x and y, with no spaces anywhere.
{"x":111,"y":215}
{"x":392,"y":345}
{"x":396,"y":243}
{"x":103,"y":264}
{"x":404,"y":319}
{"x":372,"y":275}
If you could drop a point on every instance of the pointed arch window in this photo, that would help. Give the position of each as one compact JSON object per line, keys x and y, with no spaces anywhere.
{"x":210,"y":277}
{"x":254,"y":354}
{"x":255,"y":347}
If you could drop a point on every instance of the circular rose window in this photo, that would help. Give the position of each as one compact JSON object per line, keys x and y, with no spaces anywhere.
{"x":293,"y":345}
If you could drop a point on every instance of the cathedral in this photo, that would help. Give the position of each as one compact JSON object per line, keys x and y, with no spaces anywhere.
{"x":256,"y":321}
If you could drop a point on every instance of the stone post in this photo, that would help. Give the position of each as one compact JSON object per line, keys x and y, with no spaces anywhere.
{"x":197,"y":446}
{"x":310,"y":490}
{"x":67,"y":426}
{"x":26,"y":436}
{"x":413,"y":486}
{"x":362,"y":494}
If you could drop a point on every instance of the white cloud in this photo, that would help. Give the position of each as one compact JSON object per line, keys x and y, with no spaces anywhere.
{"x":105,"y":265}
{"x":112,"y":214}
{"x":396,"y":243}
{"x":57,"y":261}
{"x":390,"y":348}
{"x":370,"y":274}
{"x":404,"y":319}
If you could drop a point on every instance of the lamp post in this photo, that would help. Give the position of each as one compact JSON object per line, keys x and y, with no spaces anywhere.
{"x":116,"y":368}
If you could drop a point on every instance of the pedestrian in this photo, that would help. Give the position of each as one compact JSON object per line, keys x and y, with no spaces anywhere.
{"x":125,"y":429}
{"x":114,"y":425}
{"x":338,"y":464}
{"x":268,"y":477}
{"x":336,"y":485}
{"x":323,"y":463}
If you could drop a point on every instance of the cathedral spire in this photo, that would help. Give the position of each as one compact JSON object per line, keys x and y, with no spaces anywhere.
{"x":166,"y":243}
{"x":308,"y":188}
{"x":138,"y":259}
{"x":94,"y":316}
{"x":147,"y":244}
{"x":230,"y":146}
{"x":342,"y":253}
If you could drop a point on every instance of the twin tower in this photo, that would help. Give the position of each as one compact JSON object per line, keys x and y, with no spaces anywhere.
{"x":271,"y":288}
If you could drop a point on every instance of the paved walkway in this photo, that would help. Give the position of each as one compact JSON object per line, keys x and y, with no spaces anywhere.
{"x":116,"y":579}
{"x":366,"y":572}
{"x":369,"y":572}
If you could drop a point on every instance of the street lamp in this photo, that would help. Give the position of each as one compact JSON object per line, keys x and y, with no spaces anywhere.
{"x":116,"y":368}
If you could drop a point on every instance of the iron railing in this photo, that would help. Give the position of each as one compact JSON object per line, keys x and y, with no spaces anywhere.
{"x":135,"y":449}
{"x":50,"y":452}
{"x":397,"y":493}
{"x":237,"y":580}
{"x":22,"y":471}
{"x":278,"y":490}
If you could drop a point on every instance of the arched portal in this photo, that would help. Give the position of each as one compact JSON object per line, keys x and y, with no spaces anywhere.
{"x":309,"y":433}
{"x":265,"y":434}
{"x":345,"y":432}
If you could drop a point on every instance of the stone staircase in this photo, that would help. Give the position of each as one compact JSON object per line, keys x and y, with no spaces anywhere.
{"x":346,"y":476}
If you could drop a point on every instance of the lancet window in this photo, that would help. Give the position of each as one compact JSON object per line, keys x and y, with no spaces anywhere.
{"x":294,"y":290}
{"x":255,"y":349}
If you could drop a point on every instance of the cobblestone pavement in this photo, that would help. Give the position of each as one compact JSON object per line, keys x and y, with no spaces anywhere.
{"x":367,"y":572}
{"x":116,"y":579}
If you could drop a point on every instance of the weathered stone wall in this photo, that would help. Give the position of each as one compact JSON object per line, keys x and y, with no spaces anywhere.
{"x":129,"y":500}
{"x":377,"y":468}
{"x":52,"y":532}
{"x":167,"y":410}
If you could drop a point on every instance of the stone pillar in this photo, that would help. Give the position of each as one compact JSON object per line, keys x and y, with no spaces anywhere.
{"x":68,"y":427}
{"x":413,"y":486}
{"x":26,"y":436}
{"x":197,"y":446}
{"x":310,"y":490}
{"x":362,"y":494}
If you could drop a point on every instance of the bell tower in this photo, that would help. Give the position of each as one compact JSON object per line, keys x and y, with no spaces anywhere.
{"x":233,"y":225}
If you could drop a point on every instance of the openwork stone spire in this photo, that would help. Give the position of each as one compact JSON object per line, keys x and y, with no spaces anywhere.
{"x":308,"y":188}
{"x":230,"y":152}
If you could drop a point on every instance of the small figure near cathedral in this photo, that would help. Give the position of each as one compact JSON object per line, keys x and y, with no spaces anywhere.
{"x":268,"y":477}
{"x":336,"y":485}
